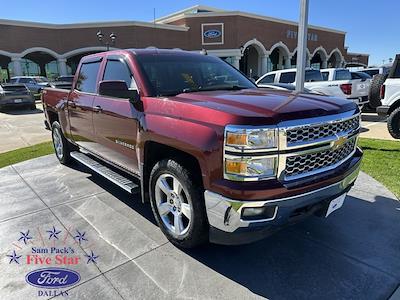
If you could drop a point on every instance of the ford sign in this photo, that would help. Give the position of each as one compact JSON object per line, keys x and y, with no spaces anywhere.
{"x":212,"y":33}
{"x":52,"y":278}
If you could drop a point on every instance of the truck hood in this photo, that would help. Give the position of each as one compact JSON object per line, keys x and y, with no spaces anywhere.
{"x":253,"y":104}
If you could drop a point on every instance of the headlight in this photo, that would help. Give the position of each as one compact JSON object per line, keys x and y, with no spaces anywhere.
{"x":259,"y":168}
{"x":251,"y":138}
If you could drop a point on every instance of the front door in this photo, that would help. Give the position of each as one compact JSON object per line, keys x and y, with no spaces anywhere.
{"x":80,"y":104}
{"x":115,"y":120}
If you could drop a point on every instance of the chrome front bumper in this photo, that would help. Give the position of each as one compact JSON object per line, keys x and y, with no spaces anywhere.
{"x":225,"y":214}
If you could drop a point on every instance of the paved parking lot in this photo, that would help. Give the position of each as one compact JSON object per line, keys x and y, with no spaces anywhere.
{"x":374,"y":127}
{"x":354,"y":254}
{"x":22,"y":128}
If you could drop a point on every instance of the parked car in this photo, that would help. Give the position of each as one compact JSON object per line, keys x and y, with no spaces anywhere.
{"x":218,"y":159}
{"x":16,"y":95}
{"x":315,"y":81}
{"x":379,"y":75}
{"x":34,"y":83}
{"x":65,"y":78}
{"x":60,"y":85}
{"x":390,"y":95}
{"x":285,"y":87}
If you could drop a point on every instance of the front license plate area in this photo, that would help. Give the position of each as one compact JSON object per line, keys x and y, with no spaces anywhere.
{"x":335,"y":204}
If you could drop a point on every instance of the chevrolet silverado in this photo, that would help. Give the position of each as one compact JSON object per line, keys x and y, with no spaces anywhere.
{"x":218,"y":159}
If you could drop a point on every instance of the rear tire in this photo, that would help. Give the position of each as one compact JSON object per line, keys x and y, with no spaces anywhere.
{"x":393,"y":123}
{"x":374,"y":95}
{"x":62,"y":147}
{"x":32,"y":106}
{"x":178,"y":206}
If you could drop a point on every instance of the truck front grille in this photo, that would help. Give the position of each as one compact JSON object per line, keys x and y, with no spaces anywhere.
{"x":308,"y":134}
{"x":307,"y":164}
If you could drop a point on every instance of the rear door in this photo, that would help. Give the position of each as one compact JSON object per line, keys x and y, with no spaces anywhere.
{"x":116,"y":120}
{"x":80,"y":103}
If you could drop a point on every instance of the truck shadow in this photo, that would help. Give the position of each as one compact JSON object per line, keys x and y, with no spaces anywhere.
{"x":21,"y":111}
{"x":353,"y":254}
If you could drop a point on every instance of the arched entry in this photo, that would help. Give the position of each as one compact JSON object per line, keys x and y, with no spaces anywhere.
{"x":319,"y":58}
{"x":251,"y":62}
{"x":279,"y":57}
{"x":335,"y":59}
{"x":39,"y":62}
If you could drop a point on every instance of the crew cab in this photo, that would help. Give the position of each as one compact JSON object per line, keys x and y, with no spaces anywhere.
{"x":218,"y":159}
{"x":390,"y":98}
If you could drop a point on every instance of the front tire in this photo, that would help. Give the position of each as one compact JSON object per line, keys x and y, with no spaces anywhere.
{"x":178,"y":204}
{"x":60,"y":143}
{"x":393,"y":123}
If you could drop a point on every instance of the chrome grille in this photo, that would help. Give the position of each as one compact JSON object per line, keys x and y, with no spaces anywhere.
{"x":318,"y":161}
{"x":315,"y":132}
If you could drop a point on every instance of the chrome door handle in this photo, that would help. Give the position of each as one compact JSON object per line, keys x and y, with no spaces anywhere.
{"x":97,"y":109}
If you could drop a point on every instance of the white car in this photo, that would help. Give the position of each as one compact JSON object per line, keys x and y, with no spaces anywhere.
{"x":334,"y":85}
{"x":390,"y":95}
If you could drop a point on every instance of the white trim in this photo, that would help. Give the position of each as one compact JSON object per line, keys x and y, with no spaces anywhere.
{"x":39,"y":49}
{"x":295,"y":50}
{"x":336,"y":50}
{"x":6,"y":53}
{"x":281,"y":45}
{"x":321,"y":50}
{"x":356,"y":53}
{"x":92,"y":25}
{"x":242,"y":14}
{"x":85,"y":49}
{"x":188,"y":10}
{"x":211,"y":24}
{"x":258,"y":45}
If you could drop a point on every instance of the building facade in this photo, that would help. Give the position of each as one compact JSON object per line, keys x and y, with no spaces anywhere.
{"x":253,"y":43}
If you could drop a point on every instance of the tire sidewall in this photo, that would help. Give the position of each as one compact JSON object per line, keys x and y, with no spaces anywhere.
{"x":197,"y":233}
{"x":393,"y":123}
{"x":66,"y":157}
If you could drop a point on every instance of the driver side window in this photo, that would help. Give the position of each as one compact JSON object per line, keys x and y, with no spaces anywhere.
{"x":118,"y":70}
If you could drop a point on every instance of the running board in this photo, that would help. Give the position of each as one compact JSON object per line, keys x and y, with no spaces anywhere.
{"x":106,"y":172}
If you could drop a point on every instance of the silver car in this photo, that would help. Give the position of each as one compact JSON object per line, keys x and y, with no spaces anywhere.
{"x":34,"y":83}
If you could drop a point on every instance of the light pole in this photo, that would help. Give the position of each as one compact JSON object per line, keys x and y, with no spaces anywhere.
{"x":111,"y":42}
{"x":302,"y":46}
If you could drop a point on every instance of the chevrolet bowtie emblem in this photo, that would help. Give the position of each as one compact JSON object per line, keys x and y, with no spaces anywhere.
{"x":339,"y":142}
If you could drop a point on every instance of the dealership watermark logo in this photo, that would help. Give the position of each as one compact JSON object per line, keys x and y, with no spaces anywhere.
{"x":212,"y":33}
{"x":52,"y":253}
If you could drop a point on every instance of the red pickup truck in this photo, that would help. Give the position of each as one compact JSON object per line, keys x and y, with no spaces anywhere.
{"x":218,"y":159}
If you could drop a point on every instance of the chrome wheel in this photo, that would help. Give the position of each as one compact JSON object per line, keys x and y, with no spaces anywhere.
{"x":173,"y":204}
{"x":58,"y":143}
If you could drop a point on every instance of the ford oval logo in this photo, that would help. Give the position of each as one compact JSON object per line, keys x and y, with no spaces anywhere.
{"x":52,"y":278}
{"x":212,"y":33}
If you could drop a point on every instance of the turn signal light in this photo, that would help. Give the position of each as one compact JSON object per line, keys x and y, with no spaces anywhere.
{"x":236,"y":167}
{"x":236,"y":138}
{"x":383,"y":90}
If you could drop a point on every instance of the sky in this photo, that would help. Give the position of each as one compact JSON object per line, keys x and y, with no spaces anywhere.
{"x":370,"y":25}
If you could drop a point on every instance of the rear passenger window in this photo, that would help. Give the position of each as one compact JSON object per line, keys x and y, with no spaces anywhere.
{"x":118,"y":70}
{"x":87,"y":78}
{"x":325,"y":76}
{"x":313,"y":75}
{"x":288,"y":77}
{"x":267,"y":79}
{"x":343,"y":75}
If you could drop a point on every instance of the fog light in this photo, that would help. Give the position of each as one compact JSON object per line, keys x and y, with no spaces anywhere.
{"x":259,"y":213}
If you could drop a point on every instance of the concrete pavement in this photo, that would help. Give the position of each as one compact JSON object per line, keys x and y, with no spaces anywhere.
{"x":353,"y":254}
{"x":374,"y":127}
{"x":22,"y":128}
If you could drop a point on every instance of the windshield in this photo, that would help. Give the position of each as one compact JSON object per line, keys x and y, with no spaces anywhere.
{"x":172,"y":74}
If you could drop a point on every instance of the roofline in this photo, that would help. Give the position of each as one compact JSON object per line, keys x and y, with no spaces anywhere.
{"x":356,"y":53}
{"x":221,"y":13}
{"x":182,"y":11}
{"x":92,"y":25}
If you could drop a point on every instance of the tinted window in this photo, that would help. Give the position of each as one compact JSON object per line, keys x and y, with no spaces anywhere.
{"x":13,"y":80}
{"x":288,"y":77}
{"x":371,"y":72}
{"x":359,"y":75}
{"x":325,"y":76}
{"x":118,"y":70}
{"x":343,"y":75}
{"x":313,"y":75}
{"x":172,"y":74}
{"x":267,"y":79}
{"x":25,"y":80}
{"x":87,"y":78}
{"x":355,"y":76}
{"x":396,"y":72}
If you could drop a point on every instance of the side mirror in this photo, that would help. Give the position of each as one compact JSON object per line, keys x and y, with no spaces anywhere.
{"x":117,"y":89}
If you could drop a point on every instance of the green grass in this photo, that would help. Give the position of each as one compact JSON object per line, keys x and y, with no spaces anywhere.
{"x":381,"y":159}
{"x":382,"y":162}
{"x":15,"y":156}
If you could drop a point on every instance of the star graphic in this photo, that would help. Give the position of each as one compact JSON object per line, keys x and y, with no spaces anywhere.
{"x":80,"y":236}
{"x":14,"y":257}
{"x":53,"y":233}
{"x":25,"y":237}
{"x":91,"y":258}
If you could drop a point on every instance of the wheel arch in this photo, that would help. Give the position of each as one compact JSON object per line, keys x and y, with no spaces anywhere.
{"x":394,"y":106}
